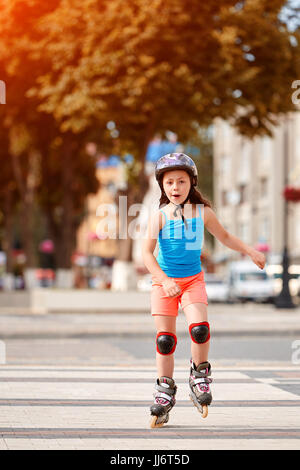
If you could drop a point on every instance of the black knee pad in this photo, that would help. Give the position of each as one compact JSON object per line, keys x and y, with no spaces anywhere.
{"x":165,"y":343}
{"x":200,"y":332}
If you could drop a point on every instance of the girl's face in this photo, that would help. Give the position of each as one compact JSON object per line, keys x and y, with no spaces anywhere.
{"x":176,"y":184}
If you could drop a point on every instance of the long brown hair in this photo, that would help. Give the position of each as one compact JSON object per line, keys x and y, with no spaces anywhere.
{"x":195,"y":196}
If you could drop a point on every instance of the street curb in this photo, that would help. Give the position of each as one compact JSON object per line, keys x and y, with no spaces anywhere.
{"x":182,"y":334}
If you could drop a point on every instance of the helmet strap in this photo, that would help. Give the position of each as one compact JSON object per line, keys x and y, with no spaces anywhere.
{"x":179,"y":208}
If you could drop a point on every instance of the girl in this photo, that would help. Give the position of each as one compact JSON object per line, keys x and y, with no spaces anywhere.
{"x":177,"y":276}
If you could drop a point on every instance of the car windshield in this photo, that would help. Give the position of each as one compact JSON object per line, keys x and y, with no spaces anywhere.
{"x":292,"y":276}
{"x":213,"y":281}
{"x":253,"y":276}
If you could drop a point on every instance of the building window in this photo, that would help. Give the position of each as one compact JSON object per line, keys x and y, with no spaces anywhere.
{"x":244,"y":165}
{"x":298,"y":233}
{"x":265,"y":228}
{"x":225,"y":165}
{"x":243,"y":229}
{"x":266,"y":148}
{"x":242,"y":189}
{"x":263,"y":187}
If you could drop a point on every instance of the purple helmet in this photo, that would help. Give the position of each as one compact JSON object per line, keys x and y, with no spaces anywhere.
{"x":176,"y":161}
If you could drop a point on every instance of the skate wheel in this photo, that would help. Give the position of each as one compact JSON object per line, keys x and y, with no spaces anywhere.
{"x":204,"y":411}
{"x":154,"y":424}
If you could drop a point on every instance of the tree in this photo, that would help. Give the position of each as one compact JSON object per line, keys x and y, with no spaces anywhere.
{"x":167,"y":64}
{"x":19,"y":115}
{"x":67,"y":177}
{"x":8,"y":202}
{"x":48,"y":165}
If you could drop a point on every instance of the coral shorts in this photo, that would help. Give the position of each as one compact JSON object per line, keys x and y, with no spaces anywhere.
{"x":192,"y":291}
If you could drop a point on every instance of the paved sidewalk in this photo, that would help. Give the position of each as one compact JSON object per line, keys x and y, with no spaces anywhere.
{"x":104,"y":408}
{"x":247,"y":319}
{"x":107,"y":408}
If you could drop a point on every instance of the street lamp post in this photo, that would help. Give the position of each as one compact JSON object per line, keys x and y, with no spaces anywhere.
{"x":284,"y":299}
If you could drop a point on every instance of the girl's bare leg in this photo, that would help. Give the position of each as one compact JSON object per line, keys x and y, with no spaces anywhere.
{"x":165,"y":363}
{"x":197,"y":313}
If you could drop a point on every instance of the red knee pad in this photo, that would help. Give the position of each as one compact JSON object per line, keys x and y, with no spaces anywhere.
{"x":200,"y":332}
{"x":165,"y":343}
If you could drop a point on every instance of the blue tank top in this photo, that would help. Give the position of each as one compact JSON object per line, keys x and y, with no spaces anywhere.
{"x":180,"y":246}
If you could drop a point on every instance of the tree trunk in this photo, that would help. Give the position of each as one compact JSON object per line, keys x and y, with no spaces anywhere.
{"x":65,"y":247}
{"x":8,"y":230}
{"x":26,"y":188}
{"x":64,"y":233}
{"x":8,"y":282}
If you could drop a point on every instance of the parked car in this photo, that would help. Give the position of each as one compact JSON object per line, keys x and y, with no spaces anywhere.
{"x":248,"y":282}
{"x":216,"y":288}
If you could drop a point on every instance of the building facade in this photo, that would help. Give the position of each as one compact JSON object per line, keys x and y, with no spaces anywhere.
{"x":249,"y":179}
{"x":90,"y":240}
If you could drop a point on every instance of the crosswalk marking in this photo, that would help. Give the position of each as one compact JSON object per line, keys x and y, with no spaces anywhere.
{"x":90,"y":407}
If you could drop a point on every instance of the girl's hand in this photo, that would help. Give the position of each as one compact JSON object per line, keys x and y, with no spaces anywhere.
{"x":171,"y":288}
{"x":258,"y":258}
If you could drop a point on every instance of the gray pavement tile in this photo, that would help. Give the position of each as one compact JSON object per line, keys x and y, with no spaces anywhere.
{"x":87,"y":411}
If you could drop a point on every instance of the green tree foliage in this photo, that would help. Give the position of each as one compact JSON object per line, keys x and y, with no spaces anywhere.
{"x":166,"y":64}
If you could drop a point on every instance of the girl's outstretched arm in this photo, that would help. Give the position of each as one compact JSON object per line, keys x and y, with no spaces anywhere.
{"x":217,"y":230}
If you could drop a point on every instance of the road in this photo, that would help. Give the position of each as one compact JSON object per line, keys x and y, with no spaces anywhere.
{"x":107,"y":408}
{"x":64,"y":390}
{"x":113,"y":350}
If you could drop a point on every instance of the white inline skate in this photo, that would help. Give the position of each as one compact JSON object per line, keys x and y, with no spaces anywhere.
{"x":164,"y":400}
{"x":200,"y":392}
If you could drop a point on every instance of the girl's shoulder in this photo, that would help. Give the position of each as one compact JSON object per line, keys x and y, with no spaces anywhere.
{"x":157,"y":220}
{"x":208,"y":213}
{"x":194,"y":211}
{"x":165,"y":210}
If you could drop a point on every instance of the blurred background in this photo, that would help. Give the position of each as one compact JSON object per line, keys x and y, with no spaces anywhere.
{"x":93,"y":92}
